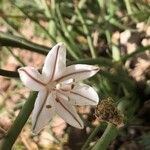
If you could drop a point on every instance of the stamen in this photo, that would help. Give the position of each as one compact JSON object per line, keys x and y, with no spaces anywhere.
{"x":57,"y":100}
{"x":48,"y":106}
{"x":72,"y":86}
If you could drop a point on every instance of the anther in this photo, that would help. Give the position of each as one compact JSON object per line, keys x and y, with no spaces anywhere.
{"x":48,"y":106}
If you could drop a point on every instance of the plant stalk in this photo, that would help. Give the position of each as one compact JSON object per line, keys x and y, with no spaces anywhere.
{"x":107,"y":137}
{"x":6,"y":73}
{"x":19,"y":123}
{"x":92,"y":135}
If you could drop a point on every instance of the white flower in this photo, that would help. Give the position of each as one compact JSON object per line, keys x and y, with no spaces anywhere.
{"x":58,"y":89}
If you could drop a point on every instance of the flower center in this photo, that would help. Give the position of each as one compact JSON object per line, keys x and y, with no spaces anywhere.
{"x":50,"y":86}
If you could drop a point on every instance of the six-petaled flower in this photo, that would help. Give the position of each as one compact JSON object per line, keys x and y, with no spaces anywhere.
{"x":59,"y":90}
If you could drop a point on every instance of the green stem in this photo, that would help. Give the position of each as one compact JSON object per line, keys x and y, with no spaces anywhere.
{"x":10,"y":25}
{"x":45,"y":6}
{"x":6,"y":73}
{"x":137,"y":51}
{"x":69,"y":47}
{"x":92,"y":135}
{"x":16,"y":57}
{"x":81,"y":3}
{"x":115,"y":52}
{"x":52,"y":27}
{"x":119,"y":78}
{"x":19,"y":123}
{"x":86,"y":31}
{"x":128,"y":7}
{"x":100,"y":61}
{"x":62,"y":37}
{"x":116,"y":23}
{"x":16,"y":41}
{"x":66,"y":31}
{"x":36,"y":22}
{"x":107,"y":137}
{"x":50,"y":13}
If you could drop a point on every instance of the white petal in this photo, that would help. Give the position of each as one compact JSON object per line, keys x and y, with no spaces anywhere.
{"x":43,"y":111}
{"x":55,"y":62}
{"x":67,"y":112}
{"x":83,"y":95}
{"x":78,"y":72}
{"x":65,"y":85}
{"x":31,"y":78}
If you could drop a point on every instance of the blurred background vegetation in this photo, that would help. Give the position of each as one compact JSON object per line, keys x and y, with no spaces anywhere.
{"x":112,"y":34}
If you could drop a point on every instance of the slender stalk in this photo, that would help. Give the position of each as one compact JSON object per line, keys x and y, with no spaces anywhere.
{"x":101,"y":4}
{"x":52,"y":28}
{"x":116,"y":23}
{"x":108,"y":36}
{"x":111,"y":131}
{"x":107,"y":137}
{"x":62,"y":37}
{"x":36,"y":22}
{"x":50,"y":13}
{"x":128,"y":7}
{"x":115,"y":52}
{"x":6,"y":73}
{"x":86,"y":31}
{"x":119,"y":78}
{"x":137,"y":51}
{"x":100,"y":61}
{"x":19,"y":123}
{"x":92,"y":135}
{"x":69,"y":47}
{"x":16,"y":41}
{"x":10,"y":26}
{"x":66,"y":31}
{"x":16,"y":57}
{"x":81,"y":3}
{"x":45,"y":6}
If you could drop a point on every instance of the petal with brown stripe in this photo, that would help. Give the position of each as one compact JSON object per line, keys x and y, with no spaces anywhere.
{"x":78,"y":72}
{"x":55,"y":62}
{"x":43,"y":110}
{"x":31,"y":78}
{"x":83,"y":95}
{"x":67,"y":112}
